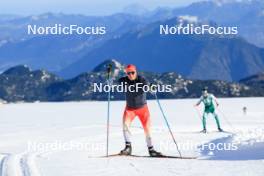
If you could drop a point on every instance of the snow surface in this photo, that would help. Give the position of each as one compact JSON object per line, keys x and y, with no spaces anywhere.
{"x":67,"y":139}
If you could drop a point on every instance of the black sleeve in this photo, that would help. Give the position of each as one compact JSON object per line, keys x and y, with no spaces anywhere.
{"x":121,"y":80}
{"x":143,"y":80}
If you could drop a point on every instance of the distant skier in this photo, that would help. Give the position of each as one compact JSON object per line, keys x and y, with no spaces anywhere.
{"x":209,"y":107}
{"x":136,"y":105}
{"x":245,"y":110}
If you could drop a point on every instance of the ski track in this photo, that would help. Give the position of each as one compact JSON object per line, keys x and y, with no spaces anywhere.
{"x":24,"y":164}
{"x":19,"y":165}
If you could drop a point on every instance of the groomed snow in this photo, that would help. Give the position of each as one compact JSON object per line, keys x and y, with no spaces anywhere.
{"x":67,"y":139}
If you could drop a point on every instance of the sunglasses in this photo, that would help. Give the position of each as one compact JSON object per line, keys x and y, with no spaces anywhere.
{"x":131,"y":73}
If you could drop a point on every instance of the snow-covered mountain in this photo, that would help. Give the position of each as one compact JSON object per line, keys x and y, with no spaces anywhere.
{"x":56,"y":53}
{"x":254,"y":80}
{"x":195,"y":56}
{"x":22,"y":84}
{"x":247,"y":15}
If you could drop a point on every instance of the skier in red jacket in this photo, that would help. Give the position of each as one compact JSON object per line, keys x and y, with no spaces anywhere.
{"x":136,"y":105}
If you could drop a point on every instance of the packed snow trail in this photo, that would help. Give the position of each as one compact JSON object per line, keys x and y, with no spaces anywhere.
{"x":80,"y":123}
{"x":18,"y":165}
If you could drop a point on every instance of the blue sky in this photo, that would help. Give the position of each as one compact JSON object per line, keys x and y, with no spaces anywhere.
{"x":88,"y":7}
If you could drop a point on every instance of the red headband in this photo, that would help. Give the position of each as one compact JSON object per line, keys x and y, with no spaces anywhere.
{"x":130,"y":67}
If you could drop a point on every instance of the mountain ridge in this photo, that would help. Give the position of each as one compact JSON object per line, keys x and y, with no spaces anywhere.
{"x":190,"y":55}
{"x":20,"y":83}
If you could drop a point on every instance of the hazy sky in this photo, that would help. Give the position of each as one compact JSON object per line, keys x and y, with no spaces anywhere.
{"x":88,"y":7}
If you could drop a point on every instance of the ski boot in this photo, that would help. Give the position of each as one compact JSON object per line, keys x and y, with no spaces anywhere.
{"x":127,"y":150}
{"x":204,"y":131}
{"x":154,"y":153}
{"x":220,"y":130}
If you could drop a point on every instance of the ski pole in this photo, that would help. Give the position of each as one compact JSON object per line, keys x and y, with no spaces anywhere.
{"x":198,"y":112}
{"x":227,"y":121}
{"x":168,"y":125}
{"x":109,"y":82}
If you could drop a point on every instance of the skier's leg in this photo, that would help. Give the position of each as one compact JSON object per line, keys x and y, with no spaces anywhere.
{"x":204,"y":120}
{"x":128,"y":117}
{"x":144,"y":117}
{"x":217,"y":121}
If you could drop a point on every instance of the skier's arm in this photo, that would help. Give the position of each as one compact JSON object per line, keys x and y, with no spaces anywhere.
{"x":215,"y":100}
{"x":144,"y":81}
{"x":199,"y":102}
{"x":152,"y":88}
{"x":121,"y":80}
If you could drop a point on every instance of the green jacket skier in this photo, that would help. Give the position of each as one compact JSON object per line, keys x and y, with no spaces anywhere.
{"x":208,"y":100}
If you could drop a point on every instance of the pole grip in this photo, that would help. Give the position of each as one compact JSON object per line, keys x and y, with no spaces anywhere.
{"x":109,"y":71}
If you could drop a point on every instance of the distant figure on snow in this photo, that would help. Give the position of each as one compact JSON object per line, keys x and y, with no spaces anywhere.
{"x":245,"y":110}
{"x":209,"y":108}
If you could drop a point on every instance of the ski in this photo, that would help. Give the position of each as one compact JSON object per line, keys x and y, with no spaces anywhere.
{"x":144,"y":156}
{"x":214,"y":132}
{"x":201,"y":132}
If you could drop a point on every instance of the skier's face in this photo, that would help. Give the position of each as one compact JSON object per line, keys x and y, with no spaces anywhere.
{"x":132,"y":74}
{"x":205,"y":93}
